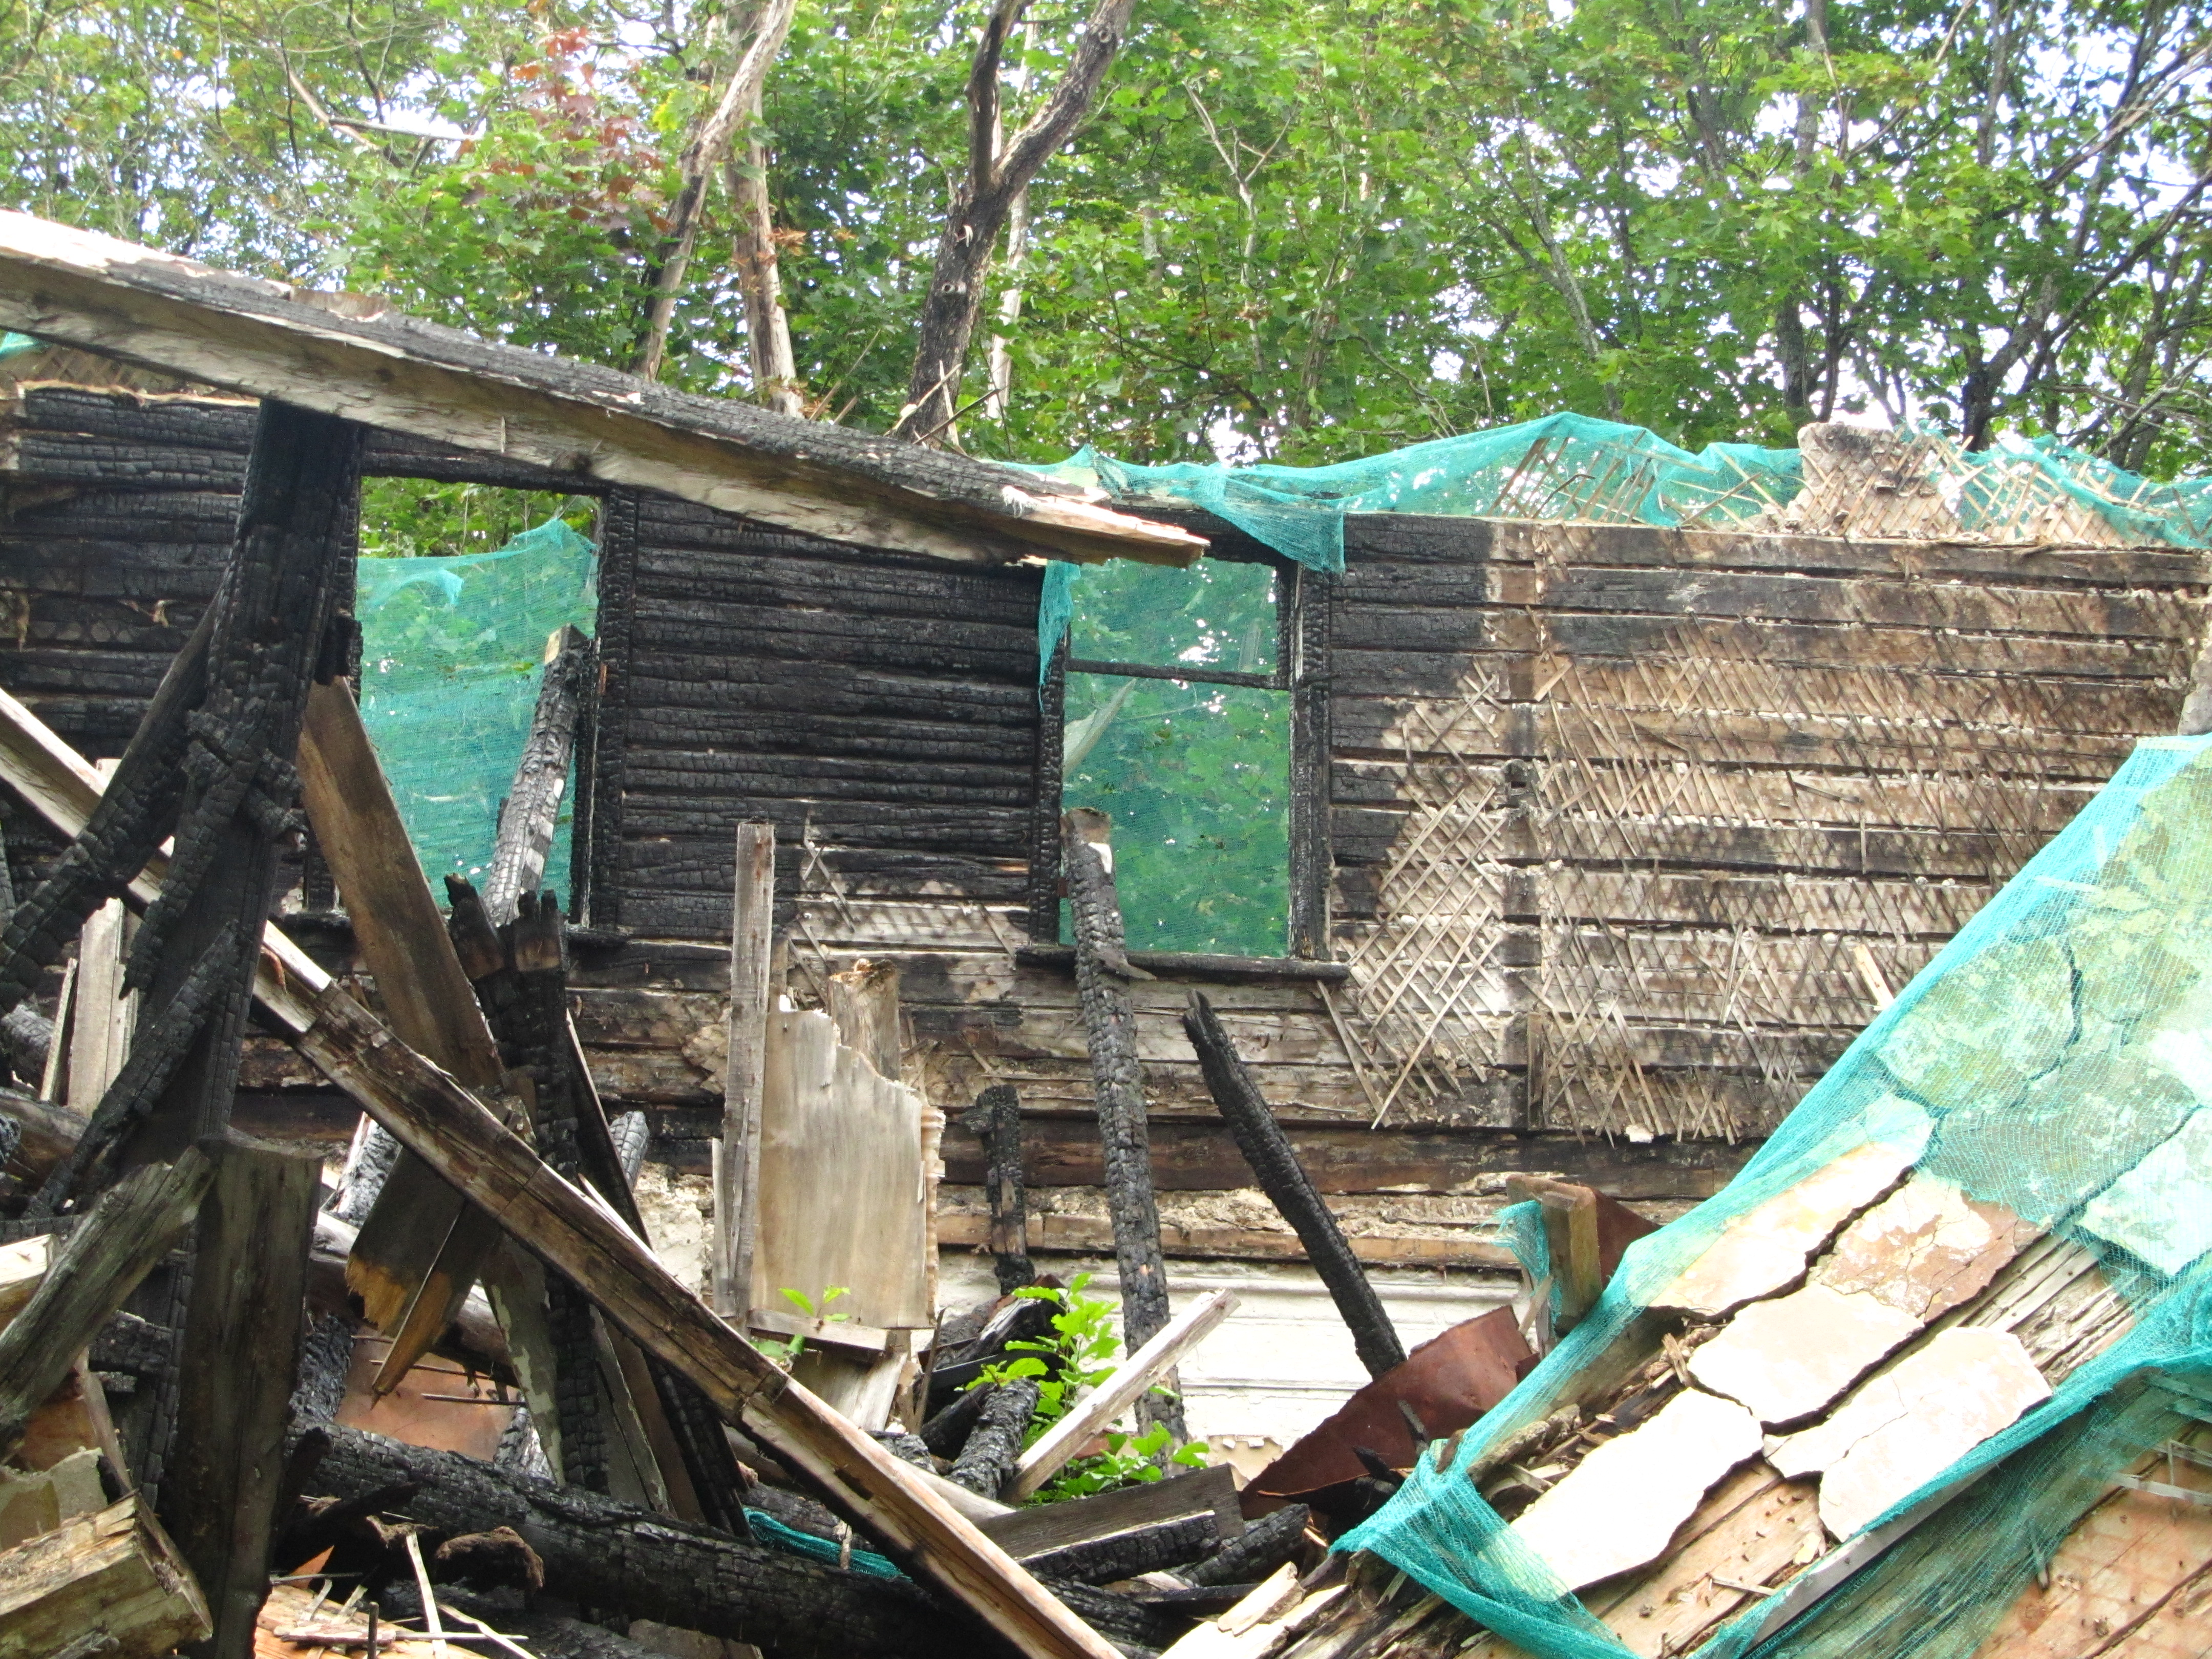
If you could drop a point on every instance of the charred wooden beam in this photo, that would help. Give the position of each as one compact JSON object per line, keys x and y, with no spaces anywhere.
{"x":1275,"y":1166}
{"x":1103,"y":972}
{"x":995,"y":1442}
{"x":997,"y":1118}
{"x":533,"y":799}
{"x":1127,"y":1554}
{"x":1258,"y":1551}
{"x":126,"y":824}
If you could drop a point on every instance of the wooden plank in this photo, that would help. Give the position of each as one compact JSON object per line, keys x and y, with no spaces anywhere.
{"x":1041,"y":1528}
{"x":223,"y":1481}
{"x":112,"y":296}
{"x":841,"y":1190}
{"x":431,"y":1113}
{"x":1115,"y":1392}
{"x":80,"y":1286}
{"x":738,"y":1153}
{"x":113,"y":1572}
{"x":1084,"y":1236}
{"x":407,"y":1266}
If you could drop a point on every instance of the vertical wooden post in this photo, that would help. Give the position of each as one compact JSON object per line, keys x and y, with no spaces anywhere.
{"x":737,"y":1154}
{"x":237,"y":1351}
{"x":533,"y":799}
{"x":1103,"y":973}
{"x":998,"y":1119}
{"x":100,"y":1034}
{"x":245,"y":1320}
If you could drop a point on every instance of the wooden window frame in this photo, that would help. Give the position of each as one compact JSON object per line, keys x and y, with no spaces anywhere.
{"x":1301,"y":644}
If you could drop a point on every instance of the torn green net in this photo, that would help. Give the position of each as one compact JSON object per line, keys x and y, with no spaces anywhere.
{"x":451,"y":653}
{"x":2056,"y":1057}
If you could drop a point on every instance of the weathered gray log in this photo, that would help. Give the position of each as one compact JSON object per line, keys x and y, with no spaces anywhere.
{"x":1275,"y":1166}
{"x":533,"y":799}
{"x":998,"y":1120}
{"x":244,"y":1318}
{"x":1125,"y":1555}
{"x":1256,"y":1551}
{"x":738,"y":1153}
{"x":1109,"y":1027}
{"x":612,"y":1556}
{"x":135,"y":1223}
{"x":994,"y":1444}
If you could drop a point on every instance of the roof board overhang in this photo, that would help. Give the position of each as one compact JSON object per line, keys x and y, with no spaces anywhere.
{"x":386,"y":369}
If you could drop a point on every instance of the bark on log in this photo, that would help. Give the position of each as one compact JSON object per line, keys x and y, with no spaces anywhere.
{"x":1110,"y":1026}
{"x":1256,"y":1553}
{"x":612,"y":1556}
{"x":995,"y":1442}
{"x":136,"y":1224}
{"x":1125,"y":1555}
{"x":1283,"y":1178}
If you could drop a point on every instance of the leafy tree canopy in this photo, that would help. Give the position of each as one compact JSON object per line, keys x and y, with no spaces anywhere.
{"x":1298,"y":229}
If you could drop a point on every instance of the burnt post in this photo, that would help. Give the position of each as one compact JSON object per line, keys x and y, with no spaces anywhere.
{"x":239,"y":1301}
{"x":1103,"y":973}
{"x":1275,"y":1165}
{"x":998,"y":1119}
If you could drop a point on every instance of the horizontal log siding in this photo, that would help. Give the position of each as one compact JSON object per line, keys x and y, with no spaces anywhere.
{"x":880,"y":710}
{"x":1625,"y":819}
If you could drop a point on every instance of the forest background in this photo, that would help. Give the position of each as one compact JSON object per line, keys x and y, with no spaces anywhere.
{"x":1295,"y":230}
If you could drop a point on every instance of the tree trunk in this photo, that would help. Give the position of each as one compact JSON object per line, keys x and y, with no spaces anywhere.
{"x":760,"y":282}
{"x":982,"y":202}
{"x":703,"y":158}
{"x":611,"y":1556}
{"x":1275,"y":1165}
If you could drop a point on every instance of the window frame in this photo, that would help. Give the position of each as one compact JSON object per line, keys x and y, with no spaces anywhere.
{"x":1301,"y":625}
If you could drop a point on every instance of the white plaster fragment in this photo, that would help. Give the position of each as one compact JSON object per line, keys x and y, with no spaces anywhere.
{"x":1789,"y":1358}
{"x":1766,"y":1248}
{"x":1901,"y":1428}
{"x":1619,"y":1506}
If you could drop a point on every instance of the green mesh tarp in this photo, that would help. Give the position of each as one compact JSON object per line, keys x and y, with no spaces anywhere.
{"x":2056,"y":1058}
{"x":1195,"y":776}
{"x":451,"y":652}
{"x":1576,"y":467}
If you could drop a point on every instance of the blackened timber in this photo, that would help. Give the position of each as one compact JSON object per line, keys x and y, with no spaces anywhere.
{"x":133,"y":815}
{"x":1256,"y":1553}
{"x":471,"y":1148}
{"x":533,"y":799}
{"x":994,"y":1444}
{"x":998,"y":1118}
{"x":645,"y":1566}
{"x":294,"y":537}
{"x":245,"y":1321}
{"x":611,"y":699}
{"x":1281,"y":1175}
{"x":1110,"y":1026}
{"x":1125,"y":1555}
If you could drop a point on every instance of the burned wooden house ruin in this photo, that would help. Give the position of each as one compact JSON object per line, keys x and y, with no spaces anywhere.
{"x":825,"y":973}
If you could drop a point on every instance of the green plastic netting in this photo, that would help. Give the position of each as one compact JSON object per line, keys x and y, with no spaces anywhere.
{"x":1576,"y":467}
{"x":2056,"y":1058}
{"x":451,"y":652}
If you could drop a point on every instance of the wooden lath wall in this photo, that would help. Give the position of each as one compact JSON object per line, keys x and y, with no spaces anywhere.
{"x":1631,"y":823}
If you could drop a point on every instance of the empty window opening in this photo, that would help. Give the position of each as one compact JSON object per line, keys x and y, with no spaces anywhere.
{"x":458,"y":589}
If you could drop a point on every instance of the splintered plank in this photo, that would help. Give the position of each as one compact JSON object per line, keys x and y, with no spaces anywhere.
{"x":112,"y":1572}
